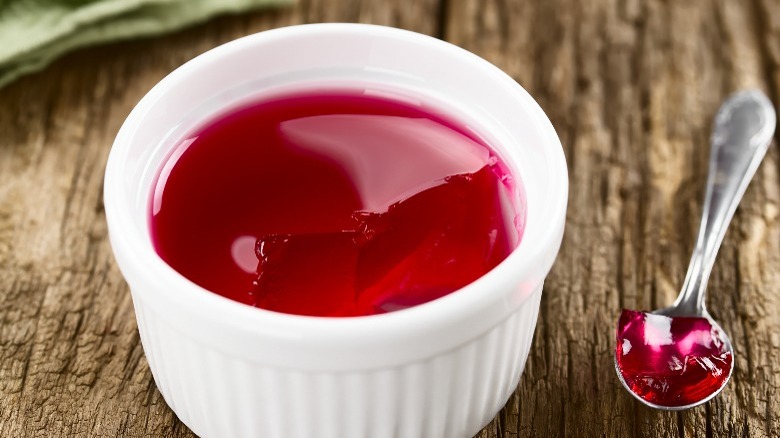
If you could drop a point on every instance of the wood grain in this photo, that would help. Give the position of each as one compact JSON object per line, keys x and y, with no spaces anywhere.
{"x":631,"y":86}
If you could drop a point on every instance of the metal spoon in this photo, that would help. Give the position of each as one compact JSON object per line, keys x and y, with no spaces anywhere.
{"x":744,"y":127}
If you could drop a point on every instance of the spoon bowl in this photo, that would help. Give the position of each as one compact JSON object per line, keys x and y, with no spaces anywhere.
{"x":679,"y":357}
{"x":672,"y":363}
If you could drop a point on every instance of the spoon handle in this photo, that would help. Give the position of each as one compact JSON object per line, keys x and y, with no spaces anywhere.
{"x":743,"y":129}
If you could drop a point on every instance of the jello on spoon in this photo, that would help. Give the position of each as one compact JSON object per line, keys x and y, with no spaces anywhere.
{"x":679,"y":357}
{"x":672,"y":362}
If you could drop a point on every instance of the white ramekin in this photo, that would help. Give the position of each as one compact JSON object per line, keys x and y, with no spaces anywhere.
{"x":441,"y":369}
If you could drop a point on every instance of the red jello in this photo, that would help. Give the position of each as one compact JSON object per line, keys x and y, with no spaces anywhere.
{"x":671,"y":362}
{"x":334,"y":203}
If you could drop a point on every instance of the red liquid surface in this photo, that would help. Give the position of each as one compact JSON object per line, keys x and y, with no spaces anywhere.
{"x":671,"y":362}
{"x":334,"y":203}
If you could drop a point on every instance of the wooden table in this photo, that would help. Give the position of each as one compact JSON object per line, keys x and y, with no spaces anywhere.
{"x":631,"y":87}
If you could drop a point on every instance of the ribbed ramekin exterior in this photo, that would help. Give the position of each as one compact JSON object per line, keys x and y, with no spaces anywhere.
{"x":451,"y":394}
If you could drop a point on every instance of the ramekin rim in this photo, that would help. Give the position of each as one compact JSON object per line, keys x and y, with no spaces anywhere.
{"x":444,"y":310}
